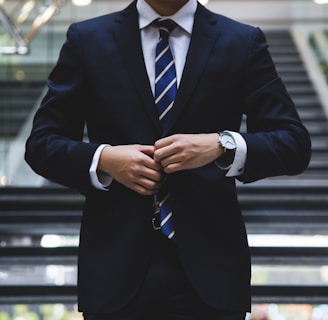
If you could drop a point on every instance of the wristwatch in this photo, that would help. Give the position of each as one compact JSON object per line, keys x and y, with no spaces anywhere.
{"x":228,"y":144}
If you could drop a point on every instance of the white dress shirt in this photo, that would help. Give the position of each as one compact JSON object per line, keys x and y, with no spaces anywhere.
{"x":179,"y":43}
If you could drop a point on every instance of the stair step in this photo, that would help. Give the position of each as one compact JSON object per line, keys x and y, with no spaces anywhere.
{"x":294,"y":79}
{"x":291,"y":69}
{"x":18,"y":98}
{"x":301,"y":90}
{"x":287,"y":60}
{"x":284,"y":51}
{"x":311,"y":114}
{"x":320,"y":143}
{"x":307,"y":101}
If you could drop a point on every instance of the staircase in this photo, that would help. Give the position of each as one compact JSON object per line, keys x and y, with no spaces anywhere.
{"x":280,"y":205}
{"x":299,"y":86}
{"x":20,"y":87}
{"x":296,"y":205}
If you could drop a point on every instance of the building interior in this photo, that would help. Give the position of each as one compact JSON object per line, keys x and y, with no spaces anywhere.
{"x":286,"y":217}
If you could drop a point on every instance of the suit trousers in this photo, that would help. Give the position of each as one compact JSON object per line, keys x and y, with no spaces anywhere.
{"x":166,"y":293}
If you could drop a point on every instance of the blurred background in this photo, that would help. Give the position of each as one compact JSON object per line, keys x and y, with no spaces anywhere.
{"x":286,"y":217}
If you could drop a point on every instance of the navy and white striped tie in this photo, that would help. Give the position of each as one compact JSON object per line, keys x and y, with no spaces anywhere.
{"x":165,"y":76}
{"x":165,"y":92}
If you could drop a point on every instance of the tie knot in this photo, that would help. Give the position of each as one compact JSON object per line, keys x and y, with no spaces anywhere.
{"x":165,"y":27}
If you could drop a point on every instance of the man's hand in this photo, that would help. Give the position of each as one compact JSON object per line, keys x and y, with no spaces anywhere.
{"x":132,"y":166}
{"x":187,"y":151}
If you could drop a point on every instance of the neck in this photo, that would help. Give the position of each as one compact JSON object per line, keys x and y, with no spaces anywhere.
{"x":166,"y":7}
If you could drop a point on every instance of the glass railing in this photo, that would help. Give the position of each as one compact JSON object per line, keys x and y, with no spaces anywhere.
{"x":319,"y":43}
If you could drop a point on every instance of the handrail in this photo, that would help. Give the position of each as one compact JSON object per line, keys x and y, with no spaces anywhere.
{"x":319,"y":40}
{"x":21,"y":44}
{"x":312,"y":66}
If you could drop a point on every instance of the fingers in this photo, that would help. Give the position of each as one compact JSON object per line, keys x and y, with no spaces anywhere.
{"x":150,"y":174}
{"x":169,"y":152}
{"x":145,"y":186}
{"x":146,"y":149}
{"x":147,"y":183}
{"x":186,"y":151}
{"x":141,"y":167}
{"x":164,"y":148}
{"x":132,"y":166}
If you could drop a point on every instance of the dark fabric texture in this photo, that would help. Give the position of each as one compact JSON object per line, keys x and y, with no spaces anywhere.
{"x":100,"y":81}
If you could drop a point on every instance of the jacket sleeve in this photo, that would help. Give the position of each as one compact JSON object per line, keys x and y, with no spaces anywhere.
{"x":55,"y":148}
{"x":277,"y":141}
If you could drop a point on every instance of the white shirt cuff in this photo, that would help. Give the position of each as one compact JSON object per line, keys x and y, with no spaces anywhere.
{"x":99,"y":180}
{"x":237,"y":166}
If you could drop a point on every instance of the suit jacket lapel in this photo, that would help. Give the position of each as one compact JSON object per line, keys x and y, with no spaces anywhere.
{"x":127,"y":36}
{"x":203,"y":38}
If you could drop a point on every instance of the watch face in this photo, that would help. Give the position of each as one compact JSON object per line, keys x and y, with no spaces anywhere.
{"x":228,"y":141}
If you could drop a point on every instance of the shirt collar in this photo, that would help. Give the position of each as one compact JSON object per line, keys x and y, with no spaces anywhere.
{"x":184,"y":17}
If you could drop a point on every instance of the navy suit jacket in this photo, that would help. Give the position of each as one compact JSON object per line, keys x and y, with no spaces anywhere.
{"x":100,"y":80}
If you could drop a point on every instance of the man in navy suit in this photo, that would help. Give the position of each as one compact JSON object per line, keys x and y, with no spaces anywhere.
{"x":104,"y":79}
